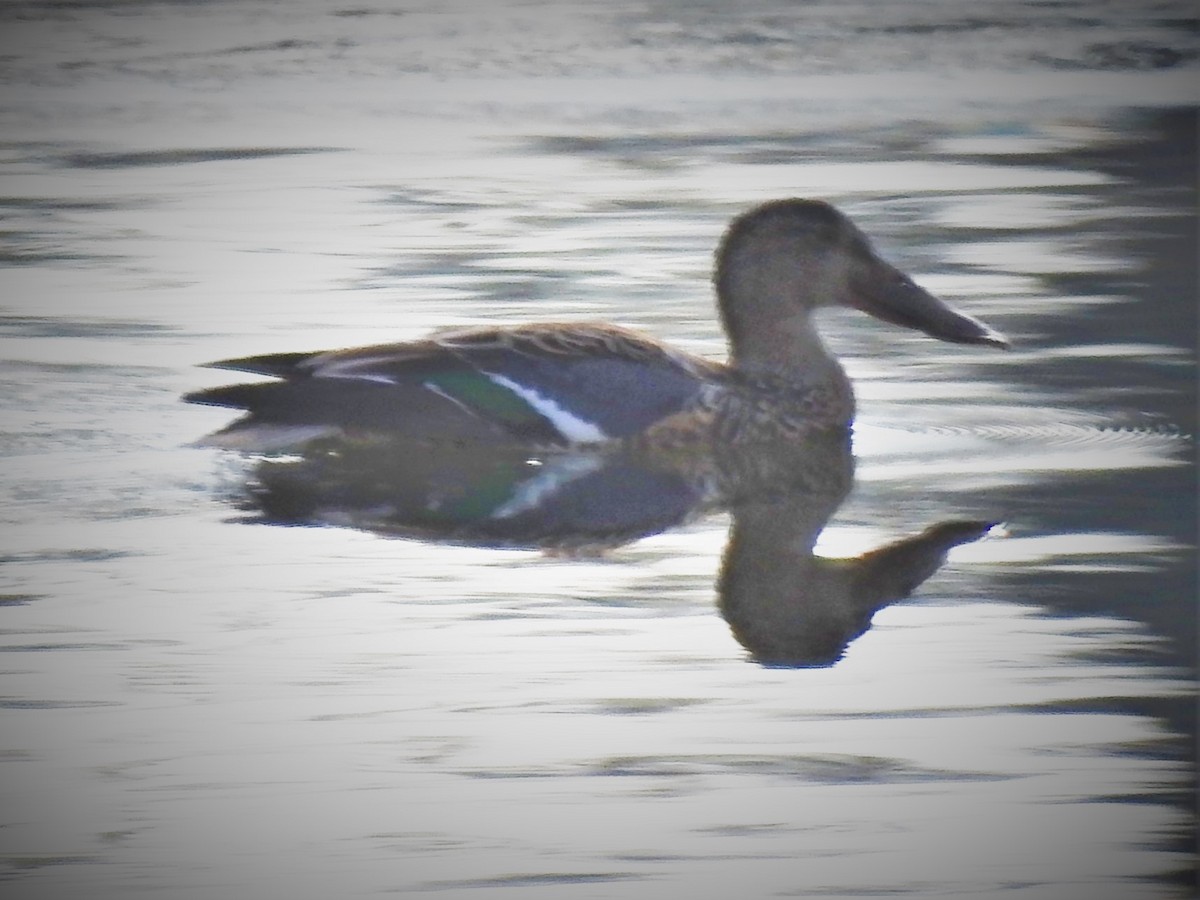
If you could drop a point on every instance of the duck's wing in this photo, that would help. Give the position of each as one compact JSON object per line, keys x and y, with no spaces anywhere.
{"x":546,"y":385}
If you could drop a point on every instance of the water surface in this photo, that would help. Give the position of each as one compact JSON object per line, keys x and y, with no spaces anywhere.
{"x":198,"y":705}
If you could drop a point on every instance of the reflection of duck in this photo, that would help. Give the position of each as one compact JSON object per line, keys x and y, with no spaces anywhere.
{"x":555,"y":386}
{"x":560,"y":501}
{"x":783,"y":603}
{"x":790,"y":607}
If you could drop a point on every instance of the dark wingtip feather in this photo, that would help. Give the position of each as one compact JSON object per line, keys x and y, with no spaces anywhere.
{"x":234,"y":396}
{"x":280,"y":365}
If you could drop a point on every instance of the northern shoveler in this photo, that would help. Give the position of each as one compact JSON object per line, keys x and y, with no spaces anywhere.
{"x":570,"y":384}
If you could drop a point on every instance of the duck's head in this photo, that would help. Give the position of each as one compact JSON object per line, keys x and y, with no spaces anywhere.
{"x":781,"y":261}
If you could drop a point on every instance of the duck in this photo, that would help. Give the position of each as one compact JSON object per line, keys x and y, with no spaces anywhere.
{"x":564,"y":385}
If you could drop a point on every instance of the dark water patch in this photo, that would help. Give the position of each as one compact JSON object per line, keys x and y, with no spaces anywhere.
{"x":1169,"y":51}
{"x":53,"y":327}
{"x":143,"y":158}
{"x":743,"y":830}
{"x":945,"y":27}
{"x":444,"y":265}
{"x":1163,"y":158}
{"x":19,"y":599}
{"x":31,"y":248}
{"x":1155,"y":502}
{"x":488,"y":274}
{"x":641,"y":706}
{"x":63,"y":645}
{"x":61,"y":204}
{"x":665,"y":151}
{"x":53,"y":229}
{"x":1191,"y":25}
{"x":271,"y":47}
{"x":1126,"y":800}
{"x":362,"y":12}
{"x":1153,"y":651}
{"x":27,"y":863}
{"x":908,"y":889}
{"x":518,"y":286}
{"x":509,"y":774}
{"x":919,"y":712}
{"x":1112,"y":706}
{"x":530,"y":880}
{"x":1120,"y":56}
{"x":823,"y":770}
{"x":675,"y":857}
{"x":427,"y":199}
{"x":72,"y":556}
{"x":40,"y":9}
{"x":8,"y":703}
{"x":78,"y":372}
{"x":687,"y":146}
{"x":283,"y":45}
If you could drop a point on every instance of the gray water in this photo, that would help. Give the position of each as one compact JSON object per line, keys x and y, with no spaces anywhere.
{"x":195,"y":705}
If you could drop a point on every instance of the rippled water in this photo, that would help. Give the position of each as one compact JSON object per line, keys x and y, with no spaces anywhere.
{"x":195,"y":704}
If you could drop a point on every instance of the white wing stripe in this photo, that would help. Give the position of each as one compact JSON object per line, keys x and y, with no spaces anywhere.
{"x":351,"y":375}
{"x":571,"y":427}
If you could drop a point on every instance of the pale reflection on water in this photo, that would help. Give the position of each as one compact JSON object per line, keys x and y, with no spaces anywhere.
{"x":195,"y":705}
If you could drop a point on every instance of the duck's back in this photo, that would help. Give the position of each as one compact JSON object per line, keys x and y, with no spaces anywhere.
{"x":536,"y":385}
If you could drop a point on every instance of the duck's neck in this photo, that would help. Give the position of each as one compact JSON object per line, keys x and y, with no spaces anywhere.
{"x":767,"y":292}
{"x":787,"y":349}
